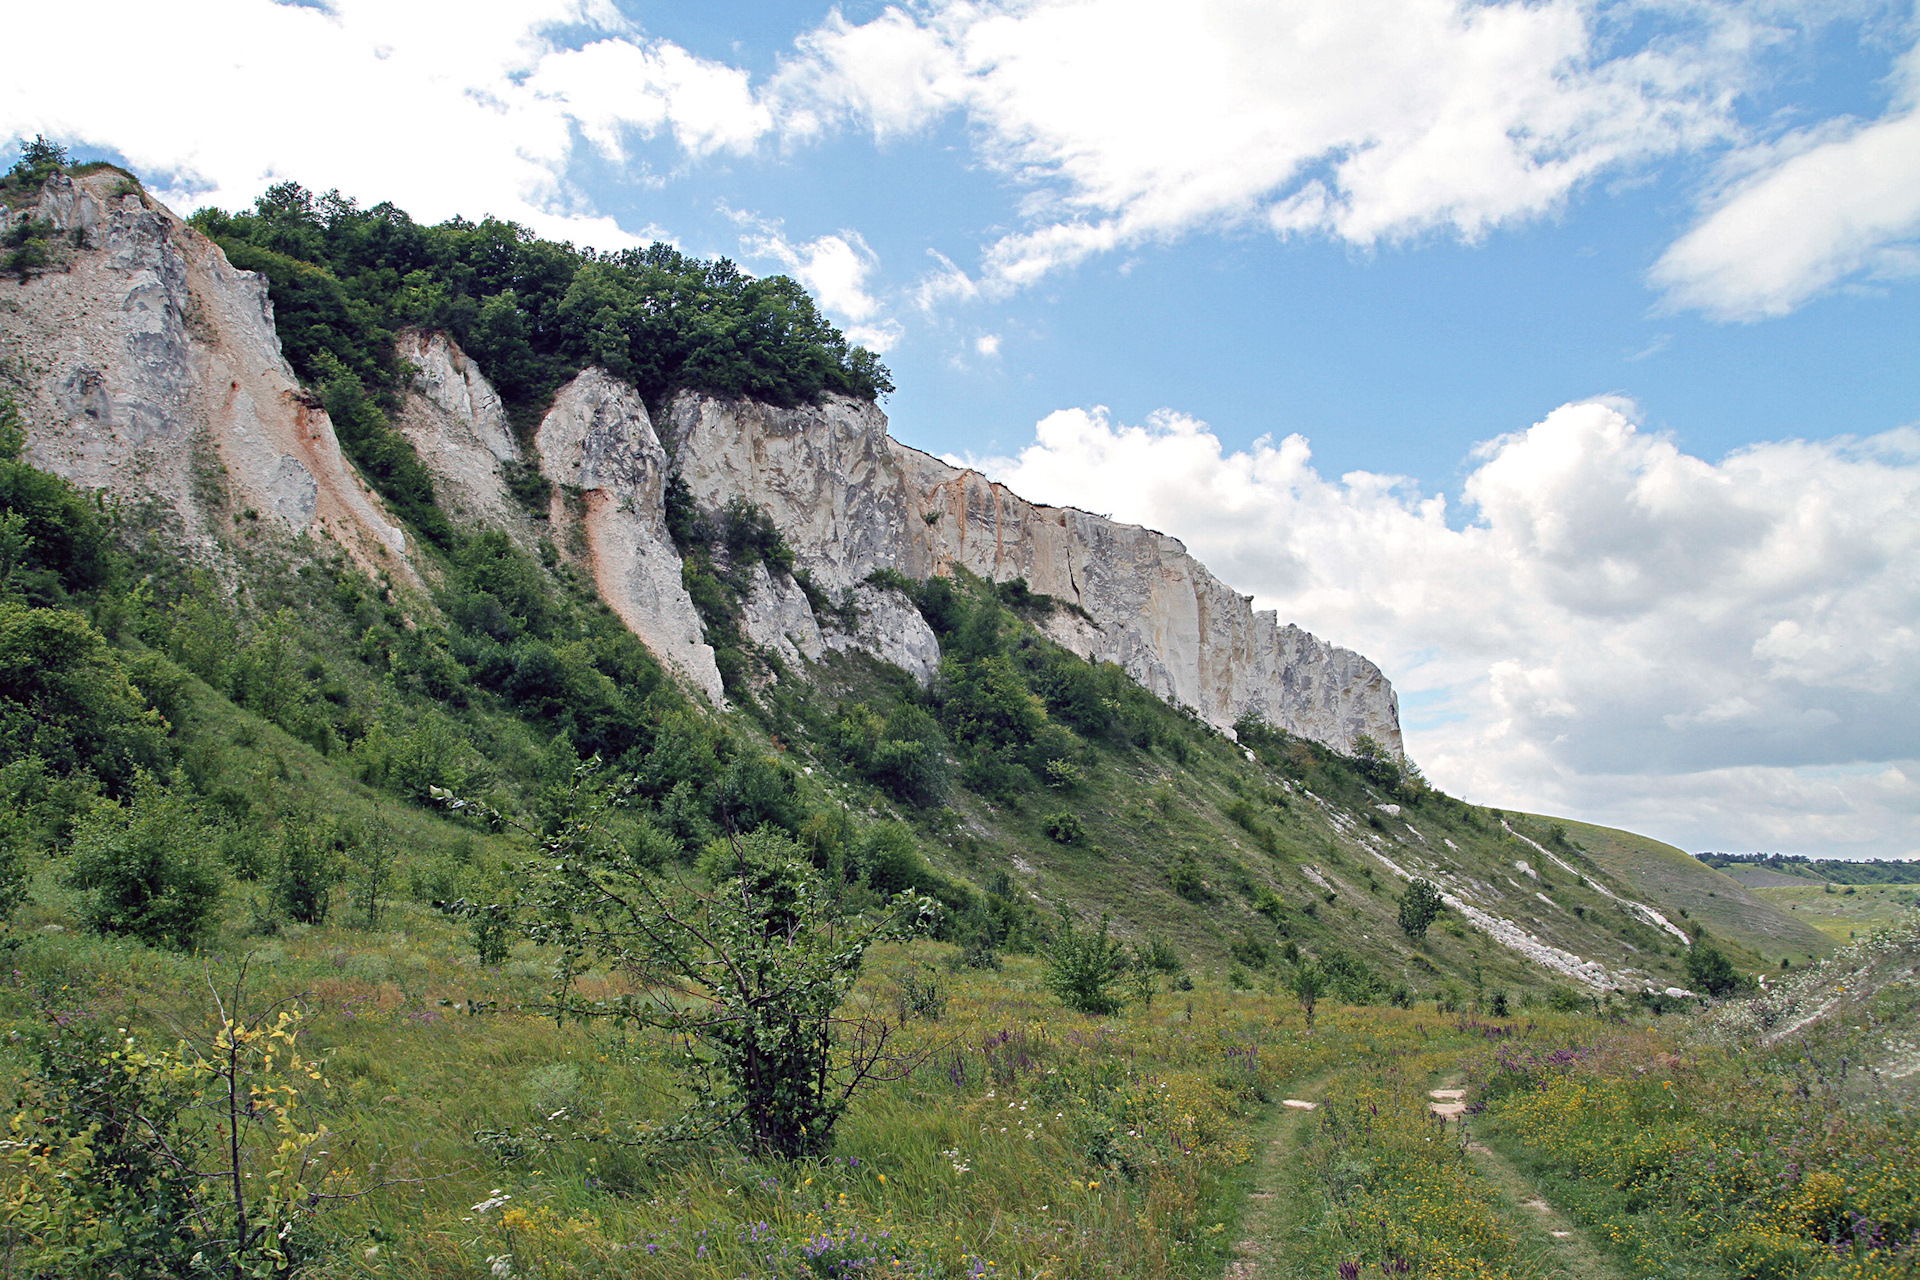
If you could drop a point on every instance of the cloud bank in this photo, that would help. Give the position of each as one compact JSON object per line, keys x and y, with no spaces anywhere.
{"x":1726,"y":654}
{"x":472,"y":108}
{"x":1817,"y":208}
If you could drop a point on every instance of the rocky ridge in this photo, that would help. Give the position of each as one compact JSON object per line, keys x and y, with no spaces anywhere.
{"x":851,"y":500}
{"x":150,"y":368}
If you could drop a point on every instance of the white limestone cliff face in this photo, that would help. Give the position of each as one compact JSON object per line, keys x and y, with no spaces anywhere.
{"x":892,"y":630}
{"x":149,"y":367}
{"x":778,"y":617}
{"x":850,"y":500}
{"x":454,"y":420}
{"x":598,"y":439}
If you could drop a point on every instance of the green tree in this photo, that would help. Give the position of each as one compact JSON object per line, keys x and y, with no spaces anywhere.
{"x":1709,"y":970}
{"x":38,"y":161}
{"x":1376,"y":762}
{"x":1418,"y":907}
{"x":1309,"y":983}
{"x":752,"y":974}
{"x":308,"y":868}
{"x":146,"y":869}
{"x":372,"y":855}
{"x":1084,"y":969}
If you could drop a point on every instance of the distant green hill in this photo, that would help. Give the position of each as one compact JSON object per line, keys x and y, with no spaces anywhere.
{"x":1730,"y":911}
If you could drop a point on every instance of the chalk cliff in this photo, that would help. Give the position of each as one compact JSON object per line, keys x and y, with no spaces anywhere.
{"x":851,"y":499}
{"x":149,"y":367}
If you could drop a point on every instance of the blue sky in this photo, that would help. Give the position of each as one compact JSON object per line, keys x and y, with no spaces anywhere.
{"x":1397,"y":357}
{"x":1559,"y":355}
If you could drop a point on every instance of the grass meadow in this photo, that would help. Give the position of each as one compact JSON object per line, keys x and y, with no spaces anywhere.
{"x":1029,"y":1141}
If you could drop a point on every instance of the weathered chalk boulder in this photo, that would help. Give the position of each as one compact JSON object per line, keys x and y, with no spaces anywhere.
{"x":892,"y":630}
{"x":776,"y":615}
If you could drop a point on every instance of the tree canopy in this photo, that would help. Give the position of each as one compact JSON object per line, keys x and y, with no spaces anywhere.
{"x":531,"y":311}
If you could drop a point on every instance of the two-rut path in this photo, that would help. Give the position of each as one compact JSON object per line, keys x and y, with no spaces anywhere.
{"x":1278,"y":1208}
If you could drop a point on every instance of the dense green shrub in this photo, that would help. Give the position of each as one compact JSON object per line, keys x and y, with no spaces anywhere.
{"x":66,"y":699}
{"x":1709,"y":970}
{"x":905,"y":753}
{"x":762,"y":963}
{"x":1418,"y":907}
{"x":1085,"y":968}
{"x":309,"y":865}
{"x":1065,"y":827}
{"x":39,"y":160}
{"x":146,"y":868}
{"x":1187,"y":879}
{"x":1349,"y":977}
{"x":122,"y":1135}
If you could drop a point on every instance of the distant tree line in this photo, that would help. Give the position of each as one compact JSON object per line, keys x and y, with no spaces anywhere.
{"x":1830,"y":870}
{"x":533,"y":312}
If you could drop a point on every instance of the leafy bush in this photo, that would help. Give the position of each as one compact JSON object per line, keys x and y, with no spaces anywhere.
{"x":890,"y":864}
{"x":1709,"y":970}
{"x":1084,"y":968}
{"x":761,"y":962}
{"x":144,"y":869}
{"x":1309,"y":983}
{"x":1185,"y":876}
{"x":905,"y":753}
{"x":39,"y":160}
{"x":1418,"y":907}
{"x":1251,"y":952}
{"x":1065,"y":827}
{"x":1350,"y":979}
{"x":308,"y":867}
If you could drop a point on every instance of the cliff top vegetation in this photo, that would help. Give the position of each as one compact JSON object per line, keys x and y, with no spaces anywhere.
{"x":532,"y":311}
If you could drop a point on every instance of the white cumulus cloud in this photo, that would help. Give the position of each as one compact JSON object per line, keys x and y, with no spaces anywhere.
{"x":1130,"y":121}
{"x":1724,"y":653}
{"x":443,"y":108}
{"x":1820,"y":207}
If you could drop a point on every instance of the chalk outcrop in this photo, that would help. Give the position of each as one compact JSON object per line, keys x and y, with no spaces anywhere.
{"x":453,"y":417}
{"x":597,"y":439}
{"x":152,"y":371}
{"x":850,"y":499}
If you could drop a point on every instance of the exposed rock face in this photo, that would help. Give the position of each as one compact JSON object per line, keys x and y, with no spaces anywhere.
{"x":850,"y":500}
{"x":778,"y":617}
{"x":154,"y":373}
{"x":892,"y":630}
{"x":454,"y":419}
{"x":597,"y":438}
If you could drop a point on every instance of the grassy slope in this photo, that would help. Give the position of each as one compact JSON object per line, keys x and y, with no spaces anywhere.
{"x":1668,"y":877}
{"x":1143,"y":809}
{"x":1845,"y":913}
